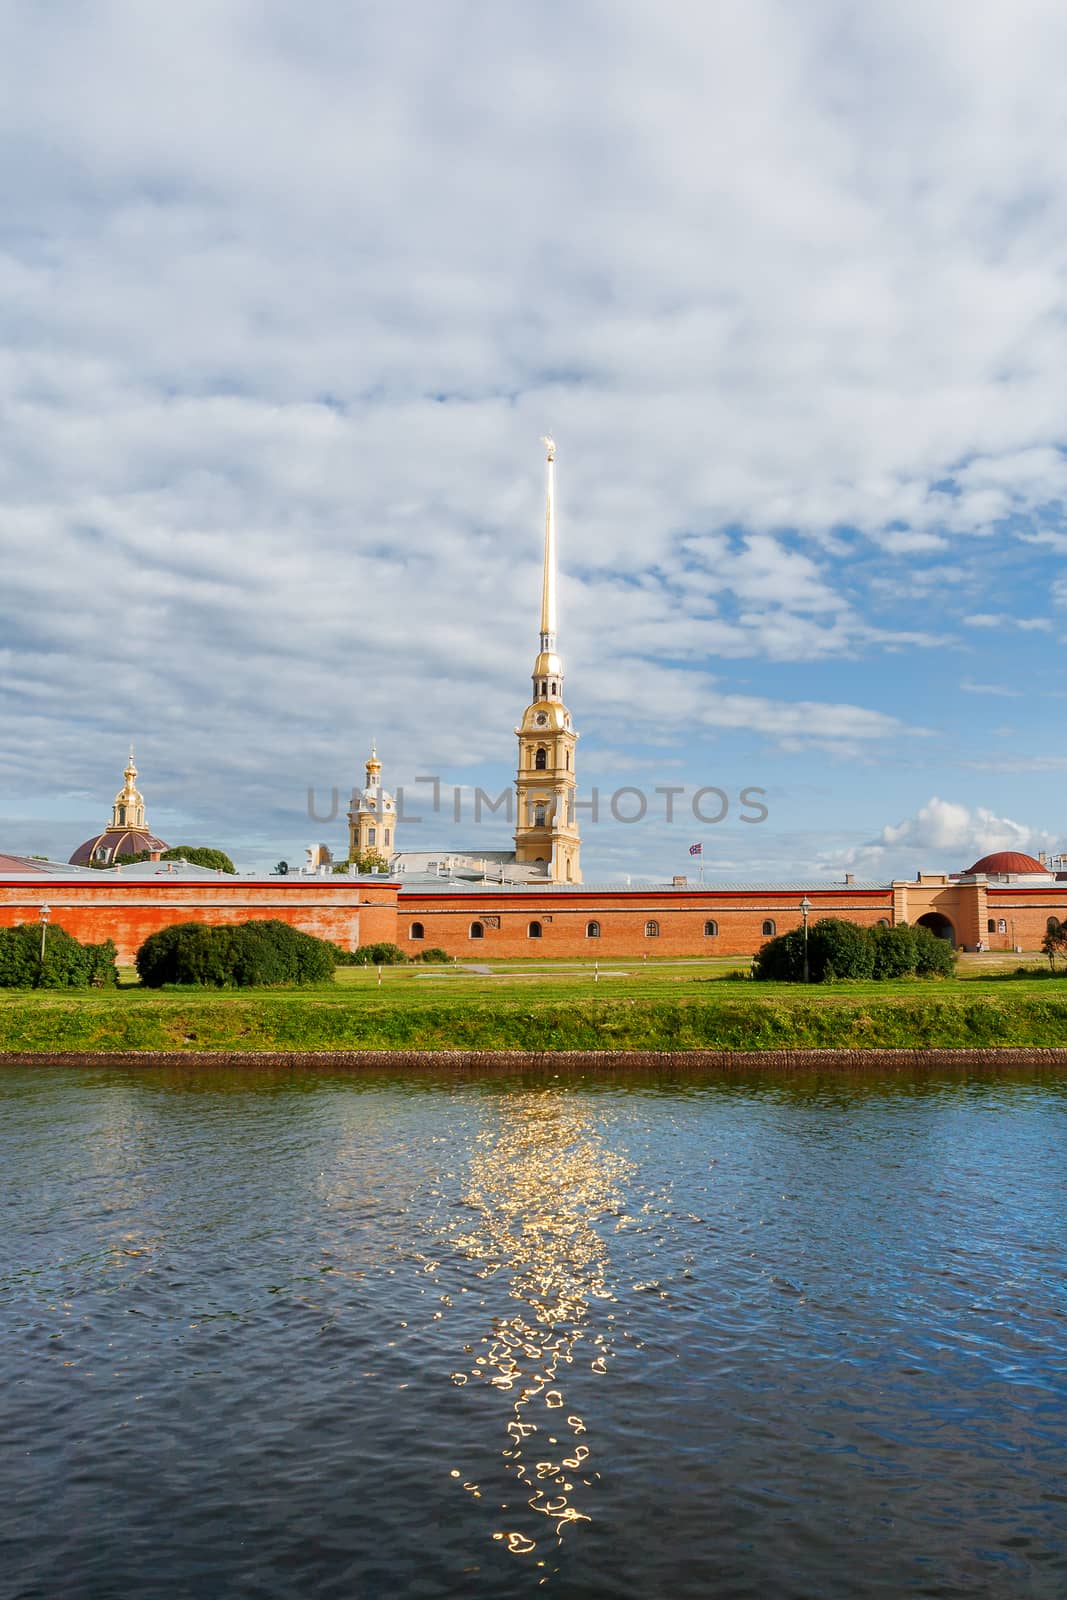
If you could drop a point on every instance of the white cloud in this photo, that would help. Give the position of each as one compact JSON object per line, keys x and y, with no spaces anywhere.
{"x":288,"y":307}
{"x":1000,"y":619}
{"x":945,"y":834}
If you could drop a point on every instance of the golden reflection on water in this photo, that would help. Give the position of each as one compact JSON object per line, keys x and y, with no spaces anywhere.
{"x":540,"y":1183}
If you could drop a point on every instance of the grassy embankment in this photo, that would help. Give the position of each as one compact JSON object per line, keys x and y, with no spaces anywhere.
{"x":653,"y":1006}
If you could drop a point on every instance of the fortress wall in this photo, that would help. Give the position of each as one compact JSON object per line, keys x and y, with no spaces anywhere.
{"x":348,"y":914}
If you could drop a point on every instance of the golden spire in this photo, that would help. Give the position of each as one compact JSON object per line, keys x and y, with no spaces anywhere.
{"x":374,"y":766}
{"x":548,"y":588}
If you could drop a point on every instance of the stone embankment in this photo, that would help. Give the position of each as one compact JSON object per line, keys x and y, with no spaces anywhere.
{"x":560,"y":1060}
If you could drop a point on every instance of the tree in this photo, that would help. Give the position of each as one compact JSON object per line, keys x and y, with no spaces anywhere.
{"x":67,"y":964}
{"x":1055,"y":941}
{"x":200,"y":855}
{"x":368,"y":861}
{"x":839,"y":949}
{"x":266,"y":952}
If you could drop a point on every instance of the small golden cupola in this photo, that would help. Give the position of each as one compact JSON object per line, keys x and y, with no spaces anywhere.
{"x":546,"y":833}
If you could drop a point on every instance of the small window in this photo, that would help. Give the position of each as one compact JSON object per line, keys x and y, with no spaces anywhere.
{"x":592,"y":930}
{"x":991,"y":926}
{"x":539,"y":815}
{"x":768,"y":929}
{"x":568,"y":761}
{"x":477,"y":931}
{"x":372,"y":834}
{"x":883,"y":922}
{"x":387,"y":835}
{"x":541,"y":759}
{"x":534,"y":931}
{"x":1002,"y":926}
{"x":711,"y":930}
{"x":553,"y":688}
{"x":417,"y":931}
{"x":651,"y":930}
{"x":1051,"y":925}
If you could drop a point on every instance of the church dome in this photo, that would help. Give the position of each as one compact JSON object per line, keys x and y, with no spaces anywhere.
{"x":104,"y":847}
{"x":126,"y":834}
{"x":1003,"y":863}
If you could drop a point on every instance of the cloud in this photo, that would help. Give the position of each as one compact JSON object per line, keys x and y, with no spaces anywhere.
{"x":999,"y":619}
{"x":946,"y":833}
{"x":287,"y":309}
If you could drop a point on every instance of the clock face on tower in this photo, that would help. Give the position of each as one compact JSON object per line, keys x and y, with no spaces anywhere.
{"x":541,"y":719}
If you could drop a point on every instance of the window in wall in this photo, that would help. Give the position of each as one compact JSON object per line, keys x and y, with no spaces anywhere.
{"x":416,"y":931}
{"x":991,"y":926}
{"x":711,"y":930}
{"x":387,"y":835}
{"x":372,"y":834}
{"x":1050,"y":924}
{"x":541,"y":759}
{"x":592,"y":930}
{"x":768,"y":929}
{"x":534,"y":931}
{"x":477,"y":931}
{"x":883,"y":922}
{"x":1002,"y":926}
{"x":539,"y":814}
{"x":651,"y":930}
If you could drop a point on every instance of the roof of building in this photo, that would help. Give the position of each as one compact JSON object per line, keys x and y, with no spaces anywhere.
{"x":1003,"y":863}
{"x":117,"y":842}
{"x":36,"y":867}
{"x":429,"y":883}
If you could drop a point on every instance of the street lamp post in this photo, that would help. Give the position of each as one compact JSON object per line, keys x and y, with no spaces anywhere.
{"x":44,"y":913}
{"x":805,"y":907}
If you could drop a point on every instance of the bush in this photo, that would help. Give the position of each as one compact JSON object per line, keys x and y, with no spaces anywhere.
{"x":839,"y":949}
{"x":262,"y":953}
{"x":433,"y":955}
{"x":68,"y":964}
{"x":378,"y":955}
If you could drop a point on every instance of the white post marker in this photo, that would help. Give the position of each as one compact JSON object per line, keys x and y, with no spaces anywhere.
{"x":379,"y":977}
{"x":596,"y":971}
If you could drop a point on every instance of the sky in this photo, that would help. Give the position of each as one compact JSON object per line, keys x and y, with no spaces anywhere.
{"x":288,"y":296}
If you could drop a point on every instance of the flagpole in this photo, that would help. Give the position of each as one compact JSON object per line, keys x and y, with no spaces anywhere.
{"x":702,"y":863}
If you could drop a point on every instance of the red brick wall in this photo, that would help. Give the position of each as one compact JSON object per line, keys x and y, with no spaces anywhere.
{"x":348,"y":914}
{"x":622,"y":915}
{"x":1028,"y":909}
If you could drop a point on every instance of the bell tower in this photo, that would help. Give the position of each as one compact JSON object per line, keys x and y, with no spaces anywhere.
{"x":546,"y":829}
{"x":372,"y":815}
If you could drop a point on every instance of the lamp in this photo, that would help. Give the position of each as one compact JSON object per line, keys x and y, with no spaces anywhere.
{"x":805,"y":907}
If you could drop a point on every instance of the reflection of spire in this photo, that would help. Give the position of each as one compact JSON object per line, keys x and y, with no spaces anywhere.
{"x":548,"y":586}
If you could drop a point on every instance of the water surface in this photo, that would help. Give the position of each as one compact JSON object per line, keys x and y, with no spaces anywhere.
{"x":311,"y":1334}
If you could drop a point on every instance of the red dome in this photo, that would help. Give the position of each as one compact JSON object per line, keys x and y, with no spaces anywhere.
{"x":1006,"y":861}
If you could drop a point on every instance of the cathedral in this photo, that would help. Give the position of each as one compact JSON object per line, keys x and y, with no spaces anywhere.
{"x":507,"y":904}
{"x":547,"y":841}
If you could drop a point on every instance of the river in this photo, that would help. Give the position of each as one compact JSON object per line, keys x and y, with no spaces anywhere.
{"x":305,"y":1333}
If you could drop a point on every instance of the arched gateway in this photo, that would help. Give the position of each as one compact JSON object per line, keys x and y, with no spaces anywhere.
{"x":938,"y":925}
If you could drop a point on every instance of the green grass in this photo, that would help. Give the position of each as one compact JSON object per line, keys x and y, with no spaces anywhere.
{"x":544,"y":1006}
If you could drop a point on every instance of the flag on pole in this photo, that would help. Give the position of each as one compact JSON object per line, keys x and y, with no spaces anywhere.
{"x":696,"y":849}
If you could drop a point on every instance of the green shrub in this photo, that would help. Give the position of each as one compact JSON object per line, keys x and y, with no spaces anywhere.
{"x":382,"y":954}
{"x":934,"y":957}
{"x":839,"y":949}
{"x":434,"y":955}
{"x":261,"y":953}
{"x":67,"y":964}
